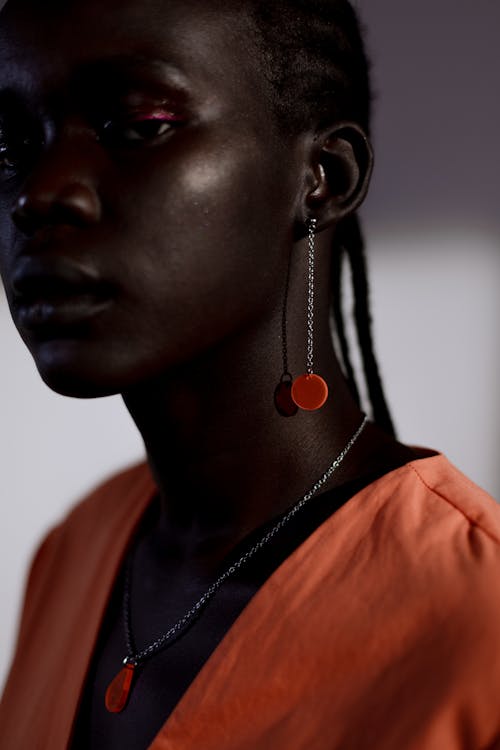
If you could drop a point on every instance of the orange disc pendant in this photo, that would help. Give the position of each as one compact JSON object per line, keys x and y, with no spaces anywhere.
{"x":309,"y":392}
{"x":119,"y":689}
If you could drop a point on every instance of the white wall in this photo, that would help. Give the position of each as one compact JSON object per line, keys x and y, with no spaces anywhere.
{"x":434,"y":229}
{"x":433,"y":223}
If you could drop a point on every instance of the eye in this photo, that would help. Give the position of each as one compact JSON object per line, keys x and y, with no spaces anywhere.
{"x":5,"y":162}
{"x":140,"y":130}
{"x":15,"y":155}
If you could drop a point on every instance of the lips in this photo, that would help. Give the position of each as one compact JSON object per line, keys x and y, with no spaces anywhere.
{"x":56,"y":294}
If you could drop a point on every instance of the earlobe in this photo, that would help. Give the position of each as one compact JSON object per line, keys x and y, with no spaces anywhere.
{"x":343,"y":163}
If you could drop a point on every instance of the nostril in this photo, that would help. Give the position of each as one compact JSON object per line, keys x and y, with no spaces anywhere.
{"x":74,"y":204}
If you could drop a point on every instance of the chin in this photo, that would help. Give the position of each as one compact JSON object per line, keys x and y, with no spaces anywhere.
{"x":65,"y":370}
{"x":76,"y":385}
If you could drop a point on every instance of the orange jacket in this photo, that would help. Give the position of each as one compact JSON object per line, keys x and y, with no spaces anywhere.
{"x":380,"y":632}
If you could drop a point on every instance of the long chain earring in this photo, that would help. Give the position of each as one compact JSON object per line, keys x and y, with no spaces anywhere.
{"x":283,"y":401}
{"x":310,"y":391}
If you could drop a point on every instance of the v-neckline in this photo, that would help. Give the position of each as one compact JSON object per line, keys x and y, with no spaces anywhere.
{"x":138,"y":503}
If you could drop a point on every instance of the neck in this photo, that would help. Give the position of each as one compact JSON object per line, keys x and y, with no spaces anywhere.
{"x":224,"y":460}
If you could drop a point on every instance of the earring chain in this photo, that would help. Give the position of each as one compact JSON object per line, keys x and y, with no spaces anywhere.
{"x":310,"y":297}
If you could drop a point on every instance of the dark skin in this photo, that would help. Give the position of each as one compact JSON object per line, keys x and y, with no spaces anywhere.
{"x":188,"y":229}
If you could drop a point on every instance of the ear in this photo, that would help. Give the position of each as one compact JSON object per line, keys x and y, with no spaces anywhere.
{"x":341,"y":164}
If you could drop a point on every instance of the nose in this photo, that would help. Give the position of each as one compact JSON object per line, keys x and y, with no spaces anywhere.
{"x":60,"y":190}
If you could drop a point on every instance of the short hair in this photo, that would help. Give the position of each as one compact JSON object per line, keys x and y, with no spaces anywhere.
{"x":314,"y":61}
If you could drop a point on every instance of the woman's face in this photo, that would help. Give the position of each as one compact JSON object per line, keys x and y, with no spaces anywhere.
{"x":146,"y":202}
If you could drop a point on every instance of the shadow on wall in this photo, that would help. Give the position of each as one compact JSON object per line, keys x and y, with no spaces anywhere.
{"x":437,"y":115}
{"x":432,"y":221}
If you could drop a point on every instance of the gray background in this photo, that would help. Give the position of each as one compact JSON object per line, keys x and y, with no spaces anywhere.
{"x":433,"y":225}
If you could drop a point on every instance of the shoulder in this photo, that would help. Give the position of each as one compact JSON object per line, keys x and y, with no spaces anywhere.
{"x":447,"y":487}
{"x":448,"y":541}
{"x":451,"y":525}
{"x":430,"y":497}
{"x":414,"y":561}
{"x":439,"y":556}
{"x":105,"y":512}
{"x":99,"y":507}
{"x":440,"y":524}
{"x":401,"y":592}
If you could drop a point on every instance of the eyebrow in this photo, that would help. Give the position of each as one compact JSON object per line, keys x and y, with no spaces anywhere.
{"x":113,"y":72}
{"x":116,"y":69}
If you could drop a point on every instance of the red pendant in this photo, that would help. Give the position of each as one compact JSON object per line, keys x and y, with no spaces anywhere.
{"x":309,"y":392}
{"x":119,"y":689}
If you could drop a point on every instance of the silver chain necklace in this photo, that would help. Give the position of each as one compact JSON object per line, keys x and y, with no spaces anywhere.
{"x":119,"y":689}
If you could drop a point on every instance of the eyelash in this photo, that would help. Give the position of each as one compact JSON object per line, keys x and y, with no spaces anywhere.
{"x":111,"y":130}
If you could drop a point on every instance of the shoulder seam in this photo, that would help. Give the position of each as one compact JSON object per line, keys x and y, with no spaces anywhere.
{"x":447,"y":500}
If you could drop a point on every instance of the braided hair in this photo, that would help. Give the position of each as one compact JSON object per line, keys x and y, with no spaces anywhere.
{"x":316,"y":71}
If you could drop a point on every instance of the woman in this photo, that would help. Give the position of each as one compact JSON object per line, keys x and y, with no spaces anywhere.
{"x":179,"y":185}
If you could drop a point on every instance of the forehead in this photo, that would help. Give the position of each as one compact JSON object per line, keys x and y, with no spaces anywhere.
{"x":44,"y":43}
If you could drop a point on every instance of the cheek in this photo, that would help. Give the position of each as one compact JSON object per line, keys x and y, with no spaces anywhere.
{"x":206,"y":240}
{"x":205,"y":177}
{"x":7,"y":236}
{"x":227,"y":186}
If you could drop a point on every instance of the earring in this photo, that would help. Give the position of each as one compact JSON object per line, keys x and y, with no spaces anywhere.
{"x":310,"y":391}
{"x":283,"y":401}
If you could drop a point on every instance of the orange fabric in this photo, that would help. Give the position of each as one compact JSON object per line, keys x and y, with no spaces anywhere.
{"x":381,"y":631}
